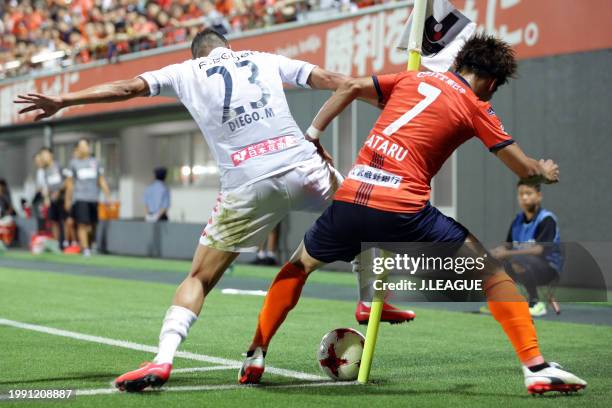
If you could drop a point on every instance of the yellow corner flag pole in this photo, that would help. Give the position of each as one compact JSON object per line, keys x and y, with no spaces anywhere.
{"x":414,"y":63}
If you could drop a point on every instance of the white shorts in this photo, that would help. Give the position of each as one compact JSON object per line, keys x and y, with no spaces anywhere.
{"x":242,"y":217}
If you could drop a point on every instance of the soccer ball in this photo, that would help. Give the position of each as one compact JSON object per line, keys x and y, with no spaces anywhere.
{"x":339,"y":354}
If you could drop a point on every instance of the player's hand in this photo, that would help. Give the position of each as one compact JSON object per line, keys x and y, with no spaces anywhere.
{"x":322,"y":152}
{"x":49,"y":105}
{"x":500,"y":252}
{"x":550,"y":171}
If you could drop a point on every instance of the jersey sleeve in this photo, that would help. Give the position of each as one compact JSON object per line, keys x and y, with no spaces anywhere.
{"x":384,"y":85}
{"x":489,"y":129}
{"x":294,"y":72}
{"x":164,"y":82}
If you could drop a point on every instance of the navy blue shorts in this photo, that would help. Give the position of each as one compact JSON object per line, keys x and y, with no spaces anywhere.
{"x":339,"y":232}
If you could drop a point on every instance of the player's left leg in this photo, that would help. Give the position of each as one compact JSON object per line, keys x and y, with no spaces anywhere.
{"x":282,"y":296}
{"x":333,"y":237}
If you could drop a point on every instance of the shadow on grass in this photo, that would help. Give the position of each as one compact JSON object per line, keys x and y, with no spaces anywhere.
{"x":72,"y":377}
{"x":388,"y":388}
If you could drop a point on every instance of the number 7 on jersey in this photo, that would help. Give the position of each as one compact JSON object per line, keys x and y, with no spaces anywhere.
{"x":430,"y":93}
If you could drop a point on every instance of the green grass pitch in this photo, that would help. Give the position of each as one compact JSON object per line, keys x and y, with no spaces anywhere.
{"x":443,"y":358}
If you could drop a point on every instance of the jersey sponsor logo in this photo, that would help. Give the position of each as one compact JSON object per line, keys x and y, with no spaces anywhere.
{"x":54,"y":178}
{"x":449,"y":81}
{"x":261,"y":148}
{"x":490,"y":111}
{"x":371,"y":175}
{"x":382,"y":145}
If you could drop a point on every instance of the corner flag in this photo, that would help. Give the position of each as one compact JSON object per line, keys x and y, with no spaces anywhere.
{"x":446,"y":30}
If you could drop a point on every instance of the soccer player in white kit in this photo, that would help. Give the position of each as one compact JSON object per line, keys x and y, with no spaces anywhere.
{"x":267,"y":166}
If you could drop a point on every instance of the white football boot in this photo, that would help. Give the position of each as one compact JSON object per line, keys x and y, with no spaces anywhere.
{"x":253,"y":367}
{"x":552,"y":378}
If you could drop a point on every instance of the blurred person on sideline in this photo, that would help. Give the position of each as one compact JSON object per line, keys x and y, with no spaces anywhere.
{"x":268,"y":251}
{"x":85,"y":179}
{"x":53,"y":191}
{"x":38,"y":205}
{"x":157,"y":197}
{"x":531,"y":254}
{"x":7,"y":213}
{"x":70,"y":244}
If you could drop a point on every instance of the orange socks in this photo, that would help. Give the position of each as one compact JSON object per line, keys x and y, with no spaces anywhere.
{"x":510,"y":309}
{"x":283,"y":295}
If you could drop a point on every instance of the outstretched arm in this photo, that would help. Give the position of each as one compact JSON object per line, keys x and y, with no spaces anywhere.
{"x":526,"y":168}
{"x":348,"y":91}
{"x":323,"y":79}
{"x":107,"y":92}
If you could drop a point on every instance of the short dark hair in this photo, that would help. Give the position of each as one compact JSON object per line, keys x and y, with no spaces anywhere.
{"x":487,"y":57}
{"x":160,"y":173}
{"x":206,"y":41}
{"x":536,"y":186}
{"x":45,"y":149}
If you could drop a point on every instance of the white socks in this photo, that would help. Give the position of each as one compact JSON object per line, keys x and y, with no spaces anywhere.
{"x":174,"y":330}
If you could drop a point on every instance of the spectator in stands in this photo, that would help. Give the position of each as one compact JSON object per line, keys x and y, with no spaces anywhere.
{"x":157,"y":197}
{"x":532,"y":255}
{"x":37,"y":34}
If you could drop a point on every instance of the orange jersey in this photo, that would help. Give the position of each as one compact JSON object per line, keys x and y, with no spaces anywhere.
{"x":426,"y":116}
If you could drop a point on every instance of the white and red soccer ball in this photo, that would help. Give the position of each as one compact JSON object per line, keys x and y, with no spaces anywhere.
{"x":339,"y":354}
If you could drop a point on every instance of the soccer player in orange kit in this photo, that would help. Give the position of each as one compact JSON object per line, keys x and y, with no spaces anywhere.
{"x":385,"y":198}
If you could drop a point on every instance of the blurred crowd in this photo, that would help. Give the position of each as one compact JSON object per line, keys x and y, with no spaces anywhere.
{"x":48,"y":34}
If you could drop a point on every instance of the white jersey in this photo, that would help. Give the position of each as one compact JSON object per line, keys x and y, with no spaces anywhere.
{"x":238,"y":101}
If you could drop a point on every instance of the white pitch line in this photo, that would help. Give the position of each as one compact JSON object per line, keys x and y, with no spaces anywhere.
{"x":231,"y":291}
{"x":151,"y":349}
{"x":103,"y":391}
{"x":198,"y":369}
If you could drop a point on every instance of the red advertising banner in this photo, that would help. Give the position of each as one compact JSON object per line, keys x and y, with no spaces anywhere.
{"x":356,"y":44}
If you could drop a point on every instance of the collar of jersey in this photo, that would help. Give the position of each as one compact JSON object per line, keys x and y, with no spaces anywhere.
{"x":462,"y":79}
{"x":218,"y":51}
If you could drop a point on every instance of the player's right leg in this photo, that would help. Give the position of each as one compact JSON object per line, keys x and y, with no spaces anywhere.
{"x":207,"y":268}
{"x":390,"y":314}
{"x":239,"y":223}
{"x":511,"y":310}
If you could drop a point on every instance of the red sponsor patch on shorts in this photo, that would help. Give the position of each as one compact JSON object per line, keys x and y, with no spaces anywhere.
{"x":261,"y":148}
